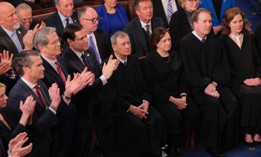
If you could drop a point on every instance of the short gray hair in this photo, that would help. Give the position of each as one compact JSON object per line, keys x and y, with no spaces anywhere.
{"x":40,"y":37}
{"x":82,"y":11}
{"x":22,"y":6}
{"x":117,"y":35}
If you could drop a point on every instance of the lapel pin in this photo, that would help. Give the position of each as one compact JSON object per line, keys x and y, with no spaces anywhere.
{"x":87,"y":54}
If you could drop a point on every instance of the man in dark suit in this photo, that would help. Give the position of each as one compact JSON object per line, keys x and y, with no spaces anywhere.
{"x":63,"y":16}
{"x":140,"y":28}
{"x":47,"y":42}
{"x":77,"y":57}
{"x":98,"y":39}
{"x":160,"y":9}
{"x":29,"y":66}
{"x":13,"y":38}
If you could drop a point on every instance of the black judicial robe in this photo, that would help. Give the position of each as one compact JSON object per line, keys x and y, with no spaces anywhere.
{"x":204,"y":63}
{"x":121,"y":133}
{"x":164,"y":78}
{"x":245,"y":63}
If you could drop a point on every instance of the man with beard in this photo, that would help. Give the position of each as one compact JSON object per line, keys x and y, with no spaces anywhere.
{"x":13,"y":38}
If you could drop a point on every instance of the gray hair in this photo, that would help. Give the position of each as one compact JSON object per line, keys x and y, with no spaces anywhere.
{"x":23,"y":60}
{"x":22,"y":6}
{"x":82,"y":10}
{"x":196,"y":13}
{"x":137,"y":2}
{"x":40,"y":37}
{"x":117,"y":35}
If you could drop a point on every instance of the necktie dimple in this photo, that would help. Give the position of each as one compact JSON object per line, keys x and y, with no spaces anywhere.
{"x":92,"y":45}
{"x":148,"y":29}
{"x":16,"y":41}
{"x":38,"y":93}
{"x":60,"y":72}
{"x":170,"y":10}
{"x":66,"y":22}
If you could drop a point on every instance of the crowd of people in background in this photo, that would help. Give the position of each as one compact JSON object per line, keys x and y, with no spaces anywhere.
{"x":140,"y":85}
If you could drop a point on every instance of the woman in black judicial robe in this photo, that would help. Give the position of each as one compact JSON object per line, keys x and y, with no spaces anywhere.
{"x":245,"y":65}
{"x":163,"y":73}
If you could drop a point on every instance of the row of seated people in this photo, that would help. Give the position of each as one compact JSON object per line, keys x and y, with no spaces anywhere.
{"x":81,"y":113}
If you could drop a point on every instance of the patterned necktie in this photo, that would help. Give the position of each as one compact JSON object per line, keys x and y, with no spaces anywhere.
{"x":39,"y":95}
{"x":92,"y":45}
{"x":66,"y":22}
{"x":170,"y":10}
{"x":148,"y":29}
{"x":60,"y":72}
{"x":16,"y":41}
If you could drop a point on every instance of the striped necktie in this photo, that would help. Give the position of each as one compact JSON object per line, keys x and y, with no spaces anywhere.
{"x":170,"y":10}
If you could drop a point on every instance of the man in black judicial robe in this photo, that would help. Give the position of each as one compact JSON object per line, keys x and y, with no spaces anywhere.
{"x":131,"y":127}
{"x":206,"y":69}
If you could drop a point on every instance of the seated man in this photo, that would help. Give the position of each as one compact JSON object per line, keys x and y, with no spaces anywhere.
{"x":130,"y":126}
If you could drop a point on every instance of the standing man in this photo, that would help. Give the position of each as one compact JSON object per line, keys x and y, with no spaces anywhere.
{"x":141,"y":27}
{"x":78,"y":56}
{"x":47,"y":42}
{"x":207,"y":72}
{"x":63,"y":16}
{"x":165,"y":9}
{"x":29,"y":66}
{"x":131,"y":127}
{"x":98,"y":39}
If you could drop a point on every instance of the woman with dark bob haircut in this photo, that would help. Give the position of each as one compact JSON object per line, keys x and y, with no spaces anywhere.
{"x":170,"y":94}
{"x":245,"y":69}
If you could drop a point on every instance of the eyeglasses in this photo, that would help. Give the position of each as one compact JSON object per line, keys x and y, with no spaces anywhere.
{"x":27,"y":20}
{"x":191,"y":1}
{"x":94,"y":20}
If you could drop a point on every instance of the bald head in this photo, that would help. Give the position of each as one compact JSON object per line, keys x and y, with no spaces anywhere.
{"x":8,"y":17}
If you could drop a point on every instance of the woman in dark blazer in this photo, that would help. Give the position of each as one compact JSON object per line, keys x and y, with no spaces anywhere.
{"x":180,"y":23}
{"x":245,"y":69}
{"x":170,"y":93}
{"x":6,"y":133}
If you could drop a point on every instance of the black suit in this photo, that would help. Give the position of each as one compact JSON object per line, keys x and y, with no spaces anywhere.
{"x":63,"y":132}
{"x":179,"y":27}
{"x":85,"y":99}
{"x":38,"y":132}
{"x":139,"y":45}
{"x":6,"y":43}
{"x":55,"y":21}
{"x":158,"y":10}
{"x":258,"y":39}
{"x":103,"y":43}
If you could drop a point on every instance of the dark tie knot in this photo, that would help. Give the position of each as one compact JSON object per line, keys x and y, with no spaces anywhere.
{"x":203,"y":40}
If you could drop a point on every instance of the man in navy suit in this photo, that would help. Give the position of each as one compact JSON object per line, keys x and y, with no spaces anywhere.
{"x":63,"y":16}
{"x":29,"y":66}
{"x":101,"y":43}
{"x":77,"y":56}
{"x":140,"y":28}
{"x":47,"y":42}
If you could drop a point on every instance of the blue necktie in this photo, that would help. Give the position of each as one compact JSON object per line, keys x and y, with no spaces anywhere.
{"x":92,"y":45}
{"x":170,"y":10}
{"x":16,"y":41}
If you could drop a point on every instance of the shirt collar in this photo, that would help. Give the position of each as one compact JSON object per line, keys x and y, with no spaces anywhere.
{"x":199,"y":38}
{"x":143,"y":24}
{"x":8,"y":32}
{"x":121,"y":60}
{"x":50,"y":61}
{"x":31,"y":85}
{"x":79,"y":54}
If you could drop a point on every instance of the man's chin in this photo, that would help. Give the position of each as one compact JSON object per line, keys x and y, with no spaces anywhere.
{"x":16,"y":26}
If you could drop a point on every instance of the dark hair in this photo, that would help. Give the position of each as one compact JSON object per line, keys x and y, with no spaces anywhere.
{"x":156,"y":36}
{"x":69,"y":31}
{"x":229,"y":16}
{"x":23,"y":60}
{"x":137,"y":2}
{"x":196,"y":13}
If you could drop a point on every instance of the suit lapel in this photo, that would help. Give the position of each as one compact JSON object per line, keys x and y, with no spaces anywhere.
{"x":9,"y":43}
{"x":140,"y":32}
{"x":76,"y":60}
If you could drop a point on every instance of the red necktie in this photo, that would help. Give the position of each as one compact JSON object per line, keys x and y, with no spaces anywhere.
{"x":60,"y":72}
{"x":39,"y":95}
